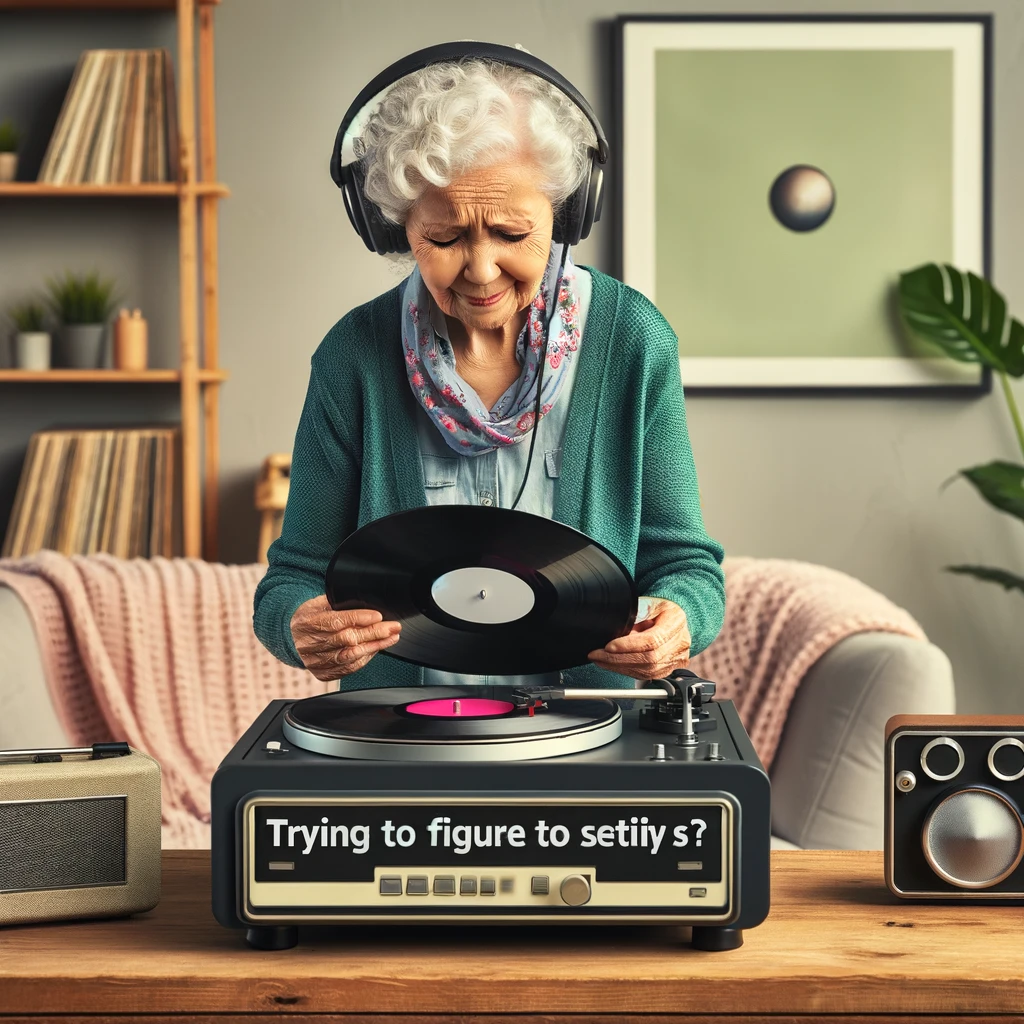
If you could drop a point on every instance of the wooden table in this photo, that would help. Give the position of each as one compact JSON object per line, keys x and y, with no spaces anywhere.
{"x":836,"y":943}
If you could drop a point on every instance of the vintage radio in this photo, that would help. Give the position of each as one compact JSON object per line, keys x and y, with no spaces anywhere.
{"x":79,"y":833}
{"x":954,"y":787}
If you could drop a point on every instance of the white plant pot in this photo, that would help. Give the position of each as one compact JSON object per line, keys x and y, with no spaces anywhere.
{"x":80,"y":346}
{"x":32,"y":350}
{"x":8,"y":166}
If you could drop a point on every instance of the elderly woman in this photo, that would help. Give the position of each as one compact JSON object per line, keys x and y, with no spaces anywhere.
{"x":426,"y":394}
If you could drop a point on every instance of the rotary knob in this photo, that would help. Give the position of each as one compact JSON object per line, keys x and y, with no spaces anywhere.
{"x":575,"y":890}
{"x":942,"y":759}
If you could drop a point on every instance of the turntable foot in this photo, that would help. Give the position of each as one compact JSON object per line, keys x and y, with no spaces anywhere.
{"x":716,"y":940}
{"x":272,"y":937}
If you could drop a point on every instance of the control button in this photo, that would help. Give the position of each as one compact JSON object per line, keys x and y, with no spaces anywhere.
{"x":1006,"y":759}
{"x":540,"y":885}
{"x":697,"y":892}
{"x":942,"y":759}
{"x":905,"y":781}
{"x":486,"y":886}
{"x":575,"y":890}
{"x":417,"y":885}
{"x":467,"y":885}
{"x":508,"y":884}
{"x":391,"y":885}
{"x":444,"y":885}
{"x":274,"y":747}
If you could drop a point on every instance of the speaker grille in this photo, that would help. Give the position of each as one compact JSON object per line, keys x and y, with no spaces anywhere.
{"x":56,"y":844}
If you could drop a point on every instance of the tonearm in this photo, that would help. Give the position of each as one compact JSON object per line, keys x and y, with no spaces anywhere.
{"x":676,"y":701}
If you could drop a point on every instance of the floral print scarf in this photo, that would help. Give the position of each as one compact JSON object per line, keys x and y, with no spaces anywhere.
{"x":452,"y":404}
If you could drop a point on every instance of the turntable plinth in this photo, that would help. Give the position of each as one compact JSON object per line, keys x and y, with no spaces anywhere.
{"x":836,"y":946}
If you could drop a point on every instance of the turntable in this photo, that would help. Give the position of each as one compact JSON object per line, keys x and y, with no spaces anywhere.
{"x":493,"y":804}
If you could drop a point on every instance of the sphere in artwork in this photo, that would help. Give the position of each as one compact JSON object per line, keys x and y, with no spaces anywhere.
{"x":802,"y":198}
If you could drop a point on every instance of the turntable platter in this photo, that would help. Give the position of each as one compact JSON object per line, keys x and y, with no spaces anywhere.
{"x":453,"y":723}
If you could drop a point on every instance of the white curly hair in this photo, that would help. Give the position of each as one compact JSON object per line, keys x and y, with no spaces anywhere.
{"x":438,"y":123}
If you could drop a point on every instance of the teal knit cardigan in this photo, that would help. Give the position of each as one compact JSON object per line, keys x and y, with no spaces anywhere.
{"x":628,"y":478}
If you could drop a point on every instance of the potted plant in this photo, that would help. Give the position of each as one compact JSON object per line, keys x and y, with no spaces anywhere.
{"x":82,"y":304}
{"x":9,"y":139}
{"x":969,"y":321}
{"x":31,"y":340}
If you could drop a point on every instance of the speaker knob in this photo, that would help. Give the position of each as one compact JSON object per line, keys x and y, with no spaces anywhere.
{"x":1006,"y":759}
{"x":942,"y":759}
{"x":575,"y":890}
{"x":973,"y":838}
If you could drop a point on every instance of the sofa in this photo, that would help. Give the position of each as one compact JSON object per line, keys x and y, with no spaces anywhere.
{"x":826,"y":774}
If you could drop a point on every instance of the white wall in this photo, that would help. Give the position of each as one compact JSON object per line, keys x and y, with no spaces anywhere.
{"x":848,"y":482}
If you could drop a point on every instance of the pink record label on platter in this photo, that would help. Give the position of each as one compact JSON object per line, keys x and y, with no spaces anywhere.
{"x":457,"y":708}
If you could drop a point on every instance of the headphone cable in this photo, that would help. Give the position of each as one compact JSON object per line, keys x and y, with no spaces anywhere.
{"x":540,"y":376}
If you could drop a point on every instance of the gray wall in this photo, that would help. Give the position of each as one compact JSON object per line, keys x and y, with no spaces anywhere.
{"x":851,"y":483}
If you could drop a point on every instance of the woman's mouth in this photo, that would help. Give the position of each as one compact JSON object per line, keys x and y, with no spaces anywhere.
{"x":489,"y":301}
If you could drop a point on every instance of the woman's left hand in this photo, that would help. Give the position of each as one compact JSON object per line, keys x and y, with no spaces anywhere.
{"x":654,"y":648}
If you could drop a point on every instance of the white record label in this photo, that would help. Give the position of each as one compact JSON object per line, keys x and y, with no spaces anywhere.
{"x":479,"y":594}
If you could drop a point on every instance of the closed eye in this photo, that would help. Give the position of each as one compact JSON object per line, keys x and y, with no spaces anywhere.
{"x":451,"y":241}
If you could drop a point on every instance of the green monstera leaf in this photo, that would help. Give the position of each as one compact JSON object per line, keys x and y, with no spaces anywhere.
{"x":982,"y":572}
{"x":962,"y":314}
{"x":1001,"y":484}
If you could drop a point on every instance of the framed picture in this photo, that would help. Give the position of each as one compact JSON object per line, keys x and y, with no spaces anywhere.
{"x":777,"y":173}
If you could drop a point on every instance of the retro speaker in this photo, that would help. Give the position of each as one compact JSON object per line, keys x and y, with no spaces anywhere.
{"x":79,"y":833}
{"x":954,"y":789}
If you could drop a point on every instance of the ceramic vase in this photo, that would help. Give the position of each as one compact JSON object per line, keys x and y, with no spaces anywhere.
{"x":79,"y":346}
{"x":130,"y":342}
{"x":32,"y":350}
{"x":8,"y":166}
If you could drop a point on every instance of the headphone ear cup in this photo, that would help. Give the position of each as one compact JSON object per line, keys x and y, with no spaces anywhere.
{"x":582,"y":208}
{"x":595,"y":200}
{"x":567,"y":224}
{"x":378,"y":233}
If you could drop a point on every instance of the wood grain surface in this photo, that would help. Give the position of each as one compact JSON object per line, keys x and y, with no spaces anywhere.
{"x":836,"y":943}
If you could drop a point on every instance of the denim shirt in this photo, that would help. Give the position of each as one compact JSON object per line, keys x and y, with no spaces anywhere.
{"x":494,"y":478}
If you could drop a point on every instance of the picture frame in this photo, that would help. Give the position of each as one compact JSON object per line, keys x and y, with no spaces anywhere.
{"x":776,"y":173}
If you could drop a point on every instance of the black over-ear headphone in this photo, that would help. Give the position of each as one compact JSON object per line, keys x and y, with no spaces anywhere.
{"x":572,"y":222}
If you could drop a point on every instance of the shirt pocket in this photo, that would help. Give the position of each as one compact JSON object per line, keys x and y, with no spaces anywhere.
{"x":553,"y":463}
{"x":440,"y":471}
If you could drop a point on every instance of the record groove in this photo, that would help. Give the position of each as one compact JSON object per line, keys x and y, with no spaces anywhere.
{"x":417,"y":567}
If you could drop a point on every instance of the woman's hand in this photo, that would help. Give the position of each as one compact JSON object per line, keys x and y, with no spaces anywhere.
{"x":333,"y":644}
{"x":656,"y":646}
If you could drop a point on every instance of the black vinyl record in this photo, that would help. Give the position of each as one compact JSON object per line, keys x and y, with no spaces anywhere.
{"x":485,"y":591}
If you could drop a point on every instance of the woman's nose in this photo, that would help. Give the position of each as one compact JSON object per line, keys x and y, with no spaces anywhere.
{"x":481,"y":265}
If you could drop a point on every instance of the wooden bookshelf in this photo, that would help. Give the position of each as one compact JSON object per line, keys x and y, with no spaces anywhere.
{"x":95,"y":5}
{"x":107,"y":376}
{"x":169,"y":190}
{"x":197,"y":193}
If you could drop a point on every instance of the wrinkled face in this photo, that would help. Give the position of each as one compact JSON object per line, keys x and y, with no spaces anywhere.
{"x":482,"y":243}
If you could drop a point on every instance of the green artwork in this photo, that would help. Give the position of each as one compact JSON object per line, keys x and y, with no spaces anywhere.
{"x":734,"y":281}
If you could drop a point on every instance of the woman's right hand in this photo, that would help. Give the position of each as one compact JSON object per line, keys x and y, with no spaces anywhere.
{"x":337,"y":643}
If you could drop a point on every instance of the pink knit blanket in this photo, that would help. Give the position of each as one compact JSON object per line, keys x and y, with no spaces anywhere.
{"x":161,"y":653}
{"x":781,"y":616}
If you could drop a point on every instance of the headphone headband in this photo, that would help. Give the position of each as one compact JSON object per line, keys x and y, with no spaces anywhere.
{"x":444,"y":52}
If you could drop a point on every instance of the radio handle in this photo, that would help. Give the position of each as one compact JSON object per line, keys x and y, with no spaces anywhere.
{"x":40,"y":755}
